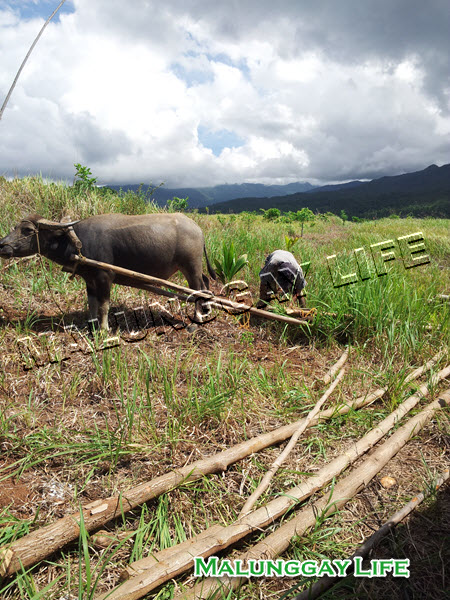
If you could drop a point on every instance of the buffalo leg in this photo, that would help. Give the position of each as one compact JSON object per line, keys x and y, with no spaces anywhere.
{"x":92,"y":301}
{"x":103,"y":296}
{"x":99,"y":291}
{"x":198,"y":281}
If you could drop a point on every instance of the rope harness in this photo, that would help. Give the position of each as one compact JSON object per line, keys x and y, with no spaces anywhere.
{"x":69,"y":229}
{"x":72,"y":236}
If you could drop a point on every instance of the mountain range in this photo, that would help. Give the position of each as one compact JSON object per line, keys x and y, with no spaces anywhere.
{"x":207,"y":196}
{"x":422,"y":193}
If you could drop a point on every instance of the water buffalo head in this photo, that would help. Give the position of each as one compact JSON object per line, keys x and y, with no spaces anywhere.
{"x":34,"y":235}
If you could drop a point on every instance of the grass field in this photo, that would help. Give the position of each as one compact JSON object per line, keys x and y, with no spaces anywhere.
{"x":94,"y":424}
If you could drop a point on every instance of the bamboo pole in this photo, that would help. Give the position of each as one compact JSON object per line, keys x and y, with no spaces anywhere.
{"x":36,"y":39}
{"x":265,"y":482}
{"x":198,"y":294}
{"x":326,"y":582}
{"x":148,"y":562}
{"x":335,"y":368}
{"x":41,"y":543}
{"x":151,"y":576}
{"x":278,"y":542}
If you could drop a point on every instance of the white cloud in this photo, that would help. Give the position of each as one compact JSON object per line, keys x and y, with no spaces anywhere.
{"x":318,"y":92}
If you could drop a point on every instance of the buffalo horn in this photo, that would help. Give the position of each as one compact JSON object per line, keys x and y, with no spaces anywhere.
{"x":46,"y":224}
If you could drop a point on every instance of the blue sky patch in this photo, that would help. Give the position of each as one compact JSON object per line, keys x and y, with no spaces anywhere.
{"x":43,"y":9}
{"x":226,"y":60}
{"x":218,"y":140}
{"x":191,"y":76}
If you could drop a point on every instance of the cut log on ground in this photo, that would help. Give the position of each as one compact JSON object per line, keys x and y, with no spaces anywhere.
{"x":278,"y":542}
{"x":326,"y":582}
{"x":40,"y":544}
{"x":151,"y":576}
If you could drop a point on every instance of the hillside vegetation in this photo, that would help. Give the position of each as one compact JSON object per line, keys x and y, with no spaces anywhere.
{"x":92,"y":423}
{"x":422,"y":194}
{"x":205,"y":196}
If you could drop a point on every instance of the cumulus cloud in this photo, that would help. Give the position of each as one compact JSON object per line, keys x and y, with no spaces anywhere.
{"x":198,"y":93}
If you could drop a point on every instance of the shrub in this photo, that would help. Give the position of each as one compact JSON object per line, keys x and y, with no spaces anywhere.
{"x":85,"y":180}
{"x":230,"y":264}
{"x":271,"y":213}
{"x":303,"y":216}
{"x":177,"y":204}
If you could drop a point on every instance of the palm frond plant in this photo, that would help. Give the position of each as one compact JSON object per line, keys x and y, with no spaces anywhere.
{"x":230,"y":264}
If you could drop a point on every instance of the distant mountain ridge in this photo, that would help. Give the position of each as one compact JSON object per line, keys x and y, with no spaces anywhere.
{"x":207,"y":196}
{"x":422,"y":193}
{"x":335,"y":186}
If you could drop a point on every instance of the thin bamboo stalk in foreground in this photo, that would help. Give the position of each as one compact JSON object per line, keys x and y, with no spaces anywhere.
{"x":335,"y":368}
{"x":265,"y":482}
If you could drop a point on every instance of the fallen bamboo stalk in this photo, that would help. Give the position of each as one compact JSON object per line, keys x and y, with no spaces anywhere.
{"x":41,"y":543}
{"x":148,"y":576}
{"x":335,"y":368}
{"x":326,"y":582}
{"x":265,"y":482}
{"x":196,"y":294}
{"x":278,"y":542}
{"x":156,"y":557}
{"x":418,"y":372}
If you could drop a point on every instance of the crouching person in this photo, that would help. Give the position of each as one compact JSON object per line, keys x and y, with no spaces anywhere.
{"x":281,"y":270}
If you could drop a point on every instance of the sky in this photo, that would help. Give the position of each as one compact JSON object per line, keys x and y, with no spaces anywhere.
{"x":200,"y":92}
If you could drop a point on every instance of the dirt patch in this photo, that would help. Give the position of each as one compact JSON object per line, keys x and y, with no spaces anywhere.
{"x":16,"y":496}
